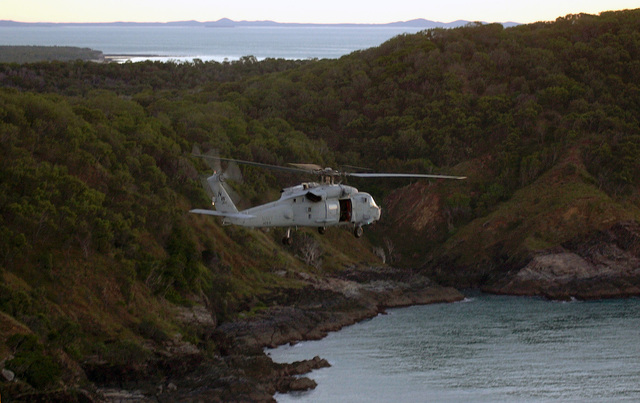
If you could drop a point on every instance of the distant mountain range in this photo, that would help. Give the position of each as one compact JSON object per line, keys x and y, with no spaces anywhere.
{"x":227,"y":23}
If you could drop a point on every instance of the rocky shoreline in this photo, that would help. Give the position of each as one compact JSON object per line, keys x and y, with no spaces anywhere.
{"x":238,"y":369}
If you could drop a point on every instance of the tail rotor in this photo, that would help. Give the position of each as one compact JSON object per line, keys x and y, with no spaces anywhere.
{"x":213,"y":160}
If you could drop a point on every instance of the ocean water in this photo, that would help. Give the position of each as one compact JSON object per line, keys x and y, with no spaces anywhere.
{"x":484,"y":349}
{"x":218,"y":44}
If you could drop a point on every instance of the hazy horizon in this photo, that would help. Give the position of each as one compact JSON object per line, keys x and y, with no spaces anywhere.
{"x":247,"y":21}
{"x":288,"y":11}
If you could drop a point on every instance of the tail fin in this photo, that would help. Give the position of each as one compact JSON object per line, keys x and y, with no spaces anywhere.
{"x":221,"y":199}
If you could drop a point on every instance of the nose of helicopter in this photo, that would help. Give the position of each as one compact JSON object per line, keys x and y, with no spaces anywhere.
{"x":377,"y":212}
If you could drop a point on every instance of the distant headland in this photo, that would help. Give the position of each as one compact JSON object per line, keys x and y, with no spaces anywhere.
{"x":227,"y":23}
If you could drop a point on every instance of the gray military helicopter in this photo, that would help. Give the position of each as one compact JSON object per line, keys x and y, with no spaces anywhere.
{"x":323,"y":204}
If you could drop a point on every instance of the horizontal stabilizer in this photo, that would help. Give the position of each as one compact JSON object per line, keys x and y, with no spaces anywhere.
{"x":221,"y":214}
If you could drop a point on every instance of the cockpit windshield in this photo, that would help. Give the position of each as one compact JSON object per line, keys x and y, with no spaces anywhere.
{"x":365,"y":200}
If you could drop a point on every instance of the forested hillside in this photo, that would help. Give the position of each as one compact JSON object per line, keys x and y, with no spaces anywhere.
{"x":98,"y":254}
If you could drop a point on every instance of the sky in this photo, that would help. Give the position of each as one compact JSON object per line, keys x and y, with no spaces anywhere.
{"x":324,"y":11}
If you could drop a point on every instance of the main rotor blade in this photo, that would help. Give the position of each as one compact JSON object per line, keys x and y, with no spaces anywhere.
{"x":318,"y":170}
{"x":397,"y":175}
{"x":256,"y":164}
{"x":352,"y":167}
{"x":307,"y":167}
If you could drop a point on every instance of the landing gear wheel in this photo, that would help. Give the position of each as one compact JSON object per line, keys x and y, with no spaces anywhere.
{"x":287,"y":240}
{"x":358,"y":231}
{"x":322,"y":230}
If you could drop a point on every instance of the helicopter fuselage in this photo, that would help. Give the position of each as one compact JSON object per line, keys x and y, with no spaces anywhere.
{"x":312,"y":205}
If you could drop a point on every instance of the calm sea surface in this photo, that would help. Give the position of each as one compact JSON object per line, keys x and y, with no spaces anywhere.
{"x":485,"y":349}
{"x":187,"y":43}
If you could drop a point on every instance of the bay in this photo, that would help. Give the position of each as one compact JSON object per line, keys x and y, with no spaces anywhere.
{"x":207,"y":44}
{"x":484,"y":349}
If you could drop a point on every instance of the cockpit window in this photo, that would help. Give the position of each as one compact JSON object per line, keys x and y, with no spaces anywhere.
{"x":368,"y":200}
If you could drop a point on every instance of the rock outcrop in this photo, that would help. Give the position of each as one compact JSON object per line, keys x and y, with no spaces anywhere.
{"x":605,"y":264}
{"x":330,"y":303}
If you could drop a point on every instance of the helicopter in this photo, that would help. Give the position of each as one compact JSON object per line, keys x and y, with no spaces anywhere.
{"x":322,"y":204}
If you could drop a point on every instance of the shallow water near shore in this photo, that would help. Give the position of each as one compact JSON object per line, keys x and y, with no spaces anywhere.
{"x":486,"y":348}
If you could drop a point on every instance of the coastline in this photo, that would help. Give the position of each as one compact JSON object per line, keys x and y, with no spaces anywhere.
{"x":122,"y":58}
{"x":241,"y":370}
{"x":325,"y":305}
{"x":136,"y":58}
